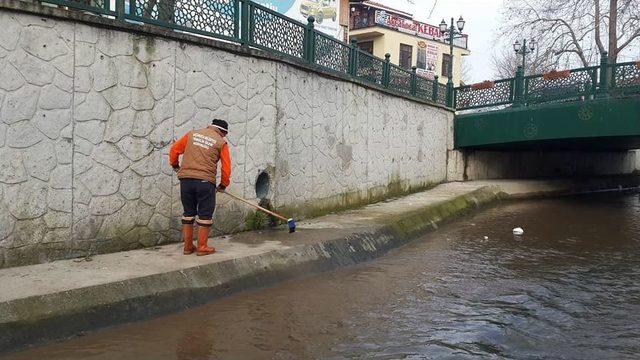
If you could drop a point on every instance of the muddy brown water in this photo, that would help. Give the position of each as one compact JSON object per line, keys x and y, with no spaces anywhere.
{"x":568,"y":289}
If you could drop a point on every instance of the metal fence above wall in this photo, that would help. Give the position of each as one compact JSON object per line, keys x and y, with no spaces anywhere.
{"x":556,"y":86}
{"x":488,"y":93}
{"x":625,"y":77}
{"x":332,"y":54}
{"x":568,"y":85}
{"x":251,"y":24}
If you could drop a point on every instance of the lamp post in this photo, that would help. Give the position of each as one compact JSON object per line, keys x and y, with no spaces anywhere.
{"x":519,"y":86}
{"x":452,"y":33}
{"x":523,"y":50}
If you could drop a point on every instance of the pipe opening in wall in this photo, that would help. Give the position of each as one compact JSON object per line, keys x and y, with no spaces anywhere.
{"x":263,"y":183}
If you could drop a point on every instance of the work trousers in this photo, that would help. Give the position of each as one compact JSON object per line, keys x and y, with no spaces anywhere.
{"x":198,"y":198}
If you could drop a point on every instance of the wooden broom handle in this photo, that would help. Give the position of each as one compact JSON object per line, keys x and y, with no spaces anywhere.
{"x":256,"y":206}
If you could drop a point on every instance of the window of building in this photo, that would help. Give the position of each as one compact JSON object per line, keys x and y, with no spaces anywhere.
{"x":366,"y":46}
{"x":406,"y":51}
{"x":446,"y":64}
{"x":421,"y":61}
{"x":362,"y":17}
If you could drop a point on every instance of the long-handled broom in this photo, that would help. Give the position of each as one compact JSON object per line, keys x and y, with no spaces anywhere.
{"x":290,"y":222}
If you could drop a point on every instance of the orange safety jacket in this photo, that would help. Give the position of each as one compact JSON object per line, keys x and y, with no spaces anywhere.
{"x":201,"y":150}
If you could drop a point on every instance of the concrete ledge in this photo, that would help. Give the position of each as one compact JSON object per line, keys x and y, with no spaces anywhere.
{"x":57,"y":300}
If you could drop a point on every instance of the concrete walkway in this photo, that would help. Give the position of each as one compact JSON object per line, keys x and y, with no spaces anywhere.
{"x":58,"y":299}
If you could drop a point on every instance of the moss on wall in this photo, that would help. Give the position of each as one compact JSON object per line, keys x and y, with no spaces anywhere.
{"x":353,"y":199}
{"x":412,"y":223}
{"x":148,"y":42}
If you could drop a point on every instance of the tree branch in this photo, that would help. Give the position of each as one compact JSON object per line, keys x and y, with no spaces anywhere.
{"x":613,"y":28}
{"x":597,"y":23}
{"x":629,"y":40}
{"x":571,"y":32}
{"x":435,"y":3}
{"x":579,"y":51}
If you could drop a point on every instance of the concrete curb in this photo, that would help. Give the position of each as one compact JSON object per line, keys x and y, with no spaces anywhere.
{"x":63,"y":314}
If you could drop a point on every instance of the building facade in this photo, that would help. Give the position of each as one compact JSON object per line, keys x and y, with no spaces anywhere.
{"x":379,"y":30}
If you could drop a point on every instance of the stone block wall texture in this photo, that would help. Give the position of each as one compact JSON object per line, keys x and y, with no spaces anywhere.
{"x":87,"y":116}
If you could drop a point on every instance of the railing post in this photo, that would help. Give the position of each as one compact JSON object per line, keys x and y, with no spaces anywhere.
{"x":518,"y":88}
{"x":414,"y":81}
{"x":603,"y":87}
{"x":435,"y":88}
{"x":120,"y":8}
{"x":309,"y":41}
{"x":450,"y":93}
{"x":244,"y":22}
{"x":353,"y":58}
{"x":455,"y":98}
{"x":236,"y":19}
{"x":386,"y":70}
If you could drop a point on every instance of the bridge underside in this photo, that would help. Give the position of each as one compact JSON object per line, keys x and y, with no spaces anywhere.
{"x":600,"y":124}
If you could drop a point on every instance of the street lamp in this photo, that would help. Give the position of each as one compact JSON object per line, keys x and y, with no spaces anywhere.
{"x":523,"y":50}
{"x":452,"y":33}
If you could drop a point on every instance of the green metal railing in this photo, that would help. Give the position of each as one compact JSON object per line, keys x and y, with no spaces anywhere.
{"x":368,"y":67}
{"x":268,"y":30}
{"x":332,"y":54}
{"x":425,"y":89}
{"x":203,"y":17}
{"x":625,"y":78}
{"x":579,"y":84}
{"x":572,"y":85}
{"x":496,"y":93}
{"x":251,"y":24}
{"x":441,"y":97}
{"x":400,"y":79}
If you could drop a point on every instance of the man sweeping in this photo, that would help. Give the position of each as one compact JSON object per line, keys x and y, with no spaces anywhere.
{"x":201,"y":150}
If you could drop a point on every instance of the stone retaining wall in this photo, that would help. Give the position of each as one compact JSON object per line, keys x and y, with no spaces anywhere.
{"x":87,"y":115}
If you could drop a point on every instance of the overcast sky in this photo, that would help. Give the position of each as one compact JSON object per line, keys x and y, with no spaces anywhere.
{"x":482,"y":18}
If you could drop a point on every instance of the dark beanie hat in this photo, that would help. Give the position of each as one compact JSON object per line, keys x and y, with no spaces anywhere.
{"x":220,"y":124}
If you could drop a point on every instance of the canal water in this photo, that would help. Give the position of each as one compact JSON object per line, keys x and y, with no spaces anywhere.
{"x":569,"y":288}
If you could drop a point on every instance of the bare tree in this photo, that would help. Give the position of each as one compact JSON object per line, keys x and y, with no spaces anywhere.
{"x":165,"y":10}
{"x":505,"y":61}
{"x":504,"y":64}
{"x":574,"y":31}
{"x":435,"y":4}
{"x":465,"y":71}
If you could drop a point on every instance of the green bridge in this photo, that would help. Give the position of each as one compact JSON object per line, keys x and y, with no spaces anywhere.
{"x":592,"y":108}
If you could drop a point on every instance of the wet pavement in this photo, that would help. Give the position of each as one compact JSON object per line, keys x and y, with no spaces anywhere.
{"x":568,"y":288}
